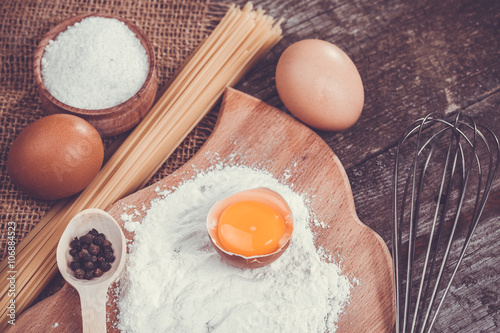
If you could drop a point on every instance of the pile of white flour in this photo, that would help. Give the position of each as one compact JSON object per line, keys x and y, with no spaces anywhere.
{"x":176,"y":282}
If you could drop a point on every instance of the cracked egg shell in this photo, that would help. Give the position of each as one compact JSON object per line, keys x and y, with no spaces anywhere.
{"x":268,"y":200}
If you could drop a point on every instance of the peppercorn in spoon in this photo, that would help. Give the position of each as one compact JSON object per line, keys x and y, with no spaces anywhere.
{"x":93,"y":287}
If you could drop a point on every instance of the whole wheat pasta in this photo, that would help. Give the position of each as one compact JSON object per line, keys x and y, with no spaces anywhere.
{"x":239,"y":40}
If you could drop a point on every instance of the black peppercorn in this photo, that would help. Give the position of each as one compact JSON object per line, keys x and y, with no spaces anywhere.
{"x":75,"y":243}
{"x":89,"y":275}
{"x":94,"y":232}
{"x":93,"y":249}
{"x":105,"y":266}
{"x":93,"y":259}
{"x":84,"y":255}
{"x":99,"y":239}
{"x":106,"y":243}
{"x":85,"y":246}
{"x":73,"y":252}
{"x":88,"y":265}
{"x":88,"y":238}
{"x":98,"y":272}
{"x":79,"y":273}
{"x":107,"y":249}
{"x":109,"y":257}
{"x":74,"y":265}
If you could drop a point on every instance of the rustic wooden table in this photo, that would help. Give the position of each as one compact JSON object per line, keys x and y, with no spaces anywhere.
{"x":414,"y":57}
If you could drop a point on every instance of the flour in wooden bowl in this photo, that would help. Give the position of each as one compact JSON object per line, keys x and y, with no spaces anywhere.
{"x":97,"y":63}
{"x":176,"y":282}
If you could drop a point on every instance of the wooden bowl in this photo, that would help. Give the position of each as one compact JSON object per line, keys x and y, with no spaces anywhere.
{"x":108,"y":121}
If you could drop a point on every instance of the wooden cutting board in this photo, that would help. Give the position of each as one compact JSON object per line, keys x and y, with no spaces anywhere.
{"x":252,"y":133}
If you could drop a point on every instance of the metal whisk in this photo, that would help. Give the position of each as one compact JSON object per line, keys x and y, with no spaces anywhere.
{"x":443,"y":174}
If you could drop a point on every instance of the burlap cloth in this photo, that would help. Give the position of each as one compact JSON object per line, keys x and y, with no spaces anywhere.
{"x":175,"y":28}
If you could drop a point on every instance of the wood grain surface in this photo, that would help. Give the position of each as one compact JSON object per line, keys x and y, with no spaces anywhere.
{"x":251,"y":133}
{"x":414,"y":57}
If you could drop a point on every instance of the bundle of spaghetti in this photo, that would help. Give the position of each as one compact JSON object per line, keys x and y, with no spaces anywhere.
{"x":239,"y":40}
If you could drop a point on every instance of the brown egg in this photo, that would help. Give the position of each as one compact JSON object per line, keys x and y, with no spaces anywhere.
{"x":320,"y":85}
{"x":55,"y":157}
{"x":250,"y":229}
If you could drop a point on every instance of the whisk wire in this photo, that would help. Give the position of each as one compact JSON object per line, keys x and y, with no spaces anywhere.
{"x":398,"y":235}
{"x":431,"y":236}
{"x":462,"y":156}
{"x":454,"y":226}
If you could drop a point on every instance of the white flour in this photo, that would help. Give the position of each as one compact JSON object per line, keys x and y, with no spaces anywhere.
{"x":95,"y":64}
{"x":176,"y":282}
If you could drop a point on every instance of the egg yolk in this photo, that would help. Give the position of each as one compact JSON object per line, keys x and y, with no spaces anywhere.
{"x":250,"y":228}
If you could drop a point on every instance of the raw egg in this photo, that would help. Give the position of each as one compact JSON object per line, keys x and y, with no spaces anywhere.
{"x":252,"y":228}
{"x":55,"y":157}
{"x":320,"y":85}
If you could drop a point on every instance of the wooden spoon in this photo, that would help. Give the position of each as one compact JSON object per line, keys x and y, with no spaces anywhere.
{"x":92,"y":292}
